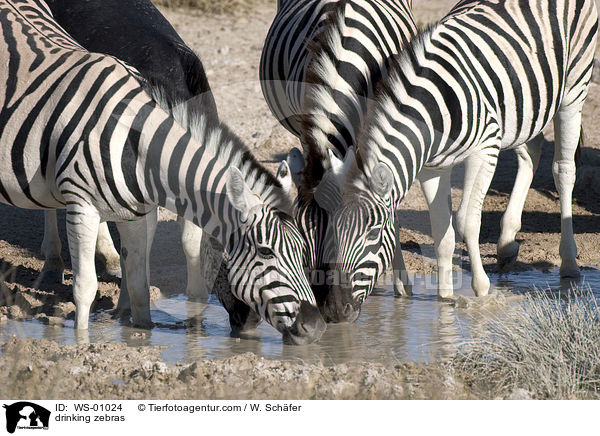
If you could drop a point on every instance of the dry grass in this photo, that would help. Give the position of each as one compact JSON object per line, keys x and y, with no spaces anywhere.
{"x":549,"y":346}
{"x":214,"y":6}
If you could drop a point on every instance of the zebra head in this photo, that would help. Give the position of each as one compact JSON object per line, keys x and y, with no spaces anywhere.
{"x":312,"y":213}
{"x":265,"y":256}
{"x":360,"y":243}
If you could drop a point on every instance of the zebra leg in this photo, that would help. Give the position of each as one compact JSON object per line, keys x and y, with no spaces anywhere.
{"x":436,"y":188}
{"x":191,"y":240}
{"x":242,"y":318}
{"x":471,"y":169}
{"x":136,"y":242}
{"x":567,"y":128}
{"x":82,"y":230}
{"x":53,"y":270}
{"x":123,"y":304}
{"x":106,"y":252}
{"x":402,"y":283}
{"x":528,"y":156}
{"x":488,"y":159}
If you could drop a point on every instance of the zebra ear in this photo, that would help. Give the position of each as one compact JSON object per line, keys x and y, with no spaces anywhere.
{"x":382,"y":180}
{"x":238,"y":193}
{"x":284,"y":175}
{"x":296,"y":162}
{"x":337,"y":165}
{"x":340,"y":168}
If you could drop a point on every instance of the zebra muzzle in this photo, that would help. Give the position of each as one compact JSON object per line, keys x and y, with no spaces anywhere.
{"x":340,"y":306}
{"x":308,"y":327}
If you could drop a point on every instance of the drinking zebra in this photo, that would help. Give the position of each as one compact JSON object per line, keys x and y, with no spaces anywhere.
{"x":80,"y":131}
{"x":115,"y":27}
{"x":320,"y":64}
{"x":489,"y":76}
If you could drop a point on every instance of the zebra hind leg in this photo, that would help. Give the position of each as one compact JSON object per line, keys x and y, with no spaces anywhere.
{"x":436,"y":188}
{"x":136,"y":242}
{"x":82,"y":230}
{"x":106,"y":252}
{"x":53,"y":270}
{"x":200,"y":259}
{"x":567,"y":129}
{"x":528,"y":156}
{"x":488,"y":158}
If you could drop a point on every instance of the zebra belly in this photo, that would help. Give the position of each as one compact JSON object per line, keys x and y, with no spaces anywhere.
{"x":34,"y":195}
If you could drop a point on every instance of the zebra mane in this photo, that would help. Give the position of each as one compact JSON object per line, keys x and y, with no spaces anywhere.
{"x":323,"y":86}
{"x":218,"y":139}
{"x":398,"y":66}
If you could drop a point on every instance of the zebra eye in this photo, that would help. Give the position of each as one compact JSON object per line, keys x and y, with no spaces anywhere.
{"x":265,"y":252}
{"x":373,"y":234}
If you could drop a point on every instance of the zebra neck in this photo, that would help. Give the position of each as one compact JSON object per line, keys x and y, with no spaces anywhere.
{"x":348,"y":60}
{"x":416,"y":119}
{"x":185,"y":170}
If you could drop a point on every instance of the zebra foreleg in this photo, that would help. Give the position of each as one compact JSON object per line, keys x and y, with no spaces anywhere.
{"x":567,"y":128}
{"x":528,"y":156}
{"x":436,"y":188}
{"x":136,"y":242}
{"x":241,"y":317}
{"x":53,"y":270}
{"x":82,"y":230}
{"x":402,"y":283}
{"x":488,"y":159}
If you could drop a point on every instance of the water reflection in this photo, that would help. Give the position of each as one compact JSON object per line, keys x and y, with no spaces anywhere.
{"x":388,"y":330}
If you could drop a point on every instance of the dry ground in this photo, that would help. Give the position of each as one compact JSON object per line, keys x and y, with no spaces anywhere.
{"x":230,"y":47}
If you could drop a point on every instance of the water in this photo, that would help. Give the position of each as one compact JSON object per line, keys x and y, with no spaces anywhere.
{"x":388,"y":330}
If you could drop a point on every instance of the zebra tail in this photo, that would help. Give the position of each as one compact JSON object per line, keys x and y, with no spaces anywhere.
{"x":578,"y":151}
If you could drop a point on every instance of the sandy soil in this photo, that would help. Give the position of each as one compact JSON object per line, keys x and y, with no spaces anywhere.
{"x":230,"y":48}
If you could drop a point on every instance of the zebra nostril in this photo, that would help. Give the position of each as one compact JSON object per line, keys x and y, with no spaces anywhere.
{"x":348,"y":310}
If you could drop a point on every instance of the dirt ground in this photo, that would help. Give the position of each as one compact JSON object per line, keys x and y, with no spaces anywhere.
{"x":230,"y":48}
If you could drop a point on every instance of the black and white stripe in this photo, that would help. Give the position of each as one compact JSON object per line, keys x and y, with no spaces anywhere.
{"x":489,"y":76}
{"x":80,"y":131}
{"x":137,"y":33}
{"x":319,"y":68}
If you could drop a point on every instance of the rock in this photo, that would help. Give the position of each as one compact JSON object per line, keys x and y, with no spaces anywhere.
{"x":189,"y":372}
{"x":15,"y":312}
{"x":64,"y":310}
{"x":50,"y":320}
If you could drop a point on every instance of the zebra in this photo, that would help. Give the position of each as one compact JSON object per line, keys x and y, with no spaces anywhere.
{"x":162,"y":58}
{"x":80,"y":131}
{"x":319,"y":67}
{"x":489,"y":76}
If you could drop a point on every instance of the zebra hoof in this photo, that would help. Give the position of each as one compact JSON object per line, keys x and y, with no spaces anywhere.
{"x":52,"y":277}
{"x":114,"y":272}
{"x":402,"y":290}
{"x":507,"y":255}
{"x":243,"y":322}
{"x":123,"y":314}
{"x":569,"y":272}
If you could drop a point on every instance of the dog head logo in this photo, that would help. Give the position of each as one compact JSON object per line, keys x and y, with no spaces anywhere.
{"x":26,"y":415}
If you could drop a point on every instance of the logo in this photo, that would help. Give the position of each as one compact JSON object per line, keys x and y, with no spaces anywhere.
{"x":26,"y":415}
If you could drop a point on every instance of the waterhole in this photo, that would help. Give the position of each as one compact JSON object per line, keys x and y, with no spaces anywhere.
{"x":389,"y":329}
